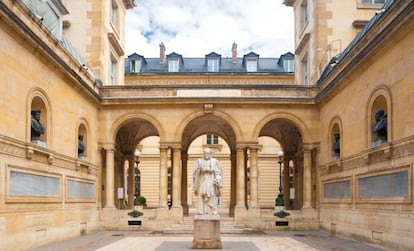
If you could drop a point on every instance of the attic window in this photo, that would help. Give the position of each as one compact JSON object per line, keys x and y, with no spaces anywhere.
{"x":135,"y":65}
{"x":213,"y":64}
{"x":173,"y":65}
{"x":251,"y":65}
{"x":288,"y":65}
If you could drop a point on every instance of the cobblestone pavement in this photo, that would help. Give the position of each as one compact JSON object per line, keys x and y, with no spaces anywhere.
{"x":263,"y":241}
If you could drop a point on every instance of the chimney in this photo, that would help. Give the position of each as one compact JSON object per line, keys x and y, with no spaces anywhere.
{"x":162,"y":53}
{"x":234,"y":53}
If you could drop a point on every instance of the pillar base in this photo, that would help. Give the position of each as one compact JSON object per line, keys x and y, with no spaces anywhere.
{"x":206,"y":233}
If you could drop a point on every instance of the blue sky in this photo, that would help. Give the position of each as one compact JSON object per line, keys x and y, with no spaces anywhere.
{"x":196,"y":28}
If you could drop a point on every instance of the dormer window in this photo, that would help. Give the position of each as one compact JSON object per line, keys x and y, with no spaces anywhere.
{"x":173,"y":65}
{"x":174,"y":62}
{"x":250,"y":62}
{"x":213,"y":65}
{"x":213,"y":62}
{"x":251,"y":65}
{"x":135,"y":65}
{"x":289,"y":65}
{"x":287,"y":62}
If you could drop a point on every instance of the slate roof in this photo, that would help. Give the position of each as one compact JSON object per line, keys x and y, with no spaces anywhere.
{"x":199,"y":65}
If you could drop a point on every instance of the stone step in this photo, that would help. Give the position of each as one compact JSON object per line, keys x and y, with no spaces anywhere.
{"x":227,"y":226}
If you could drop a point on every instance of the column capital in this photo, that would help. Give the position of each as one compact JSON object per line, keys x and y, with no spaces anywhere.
{"x":107,"y":146}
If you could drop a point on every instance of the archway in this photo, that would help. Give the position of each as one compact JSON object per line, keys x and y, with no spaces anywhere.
{"x":127,"y":140}
{"x":291,"y":141}
{"x":208,"y":124}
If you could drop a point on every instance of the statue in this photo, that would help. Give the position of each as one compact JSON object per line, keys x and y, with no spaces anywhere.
{"x":336,"y":147}
{"x":380,"y":127}
{"x":207,"y":183}
{"x":81,"y":145}
{"x":36,"y":127}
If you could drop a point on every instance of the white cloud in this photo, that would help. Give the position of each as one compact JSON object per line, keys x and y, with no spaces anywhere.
{"x":198,"y":27}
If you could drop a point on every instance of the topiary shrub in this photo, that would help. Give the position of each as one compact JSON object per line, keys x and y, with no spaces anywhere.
{"x":140,"y":200}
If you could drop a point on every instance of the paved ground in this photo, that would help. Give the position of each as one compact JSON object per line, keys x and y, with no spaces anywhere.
{"x":264,"y":241}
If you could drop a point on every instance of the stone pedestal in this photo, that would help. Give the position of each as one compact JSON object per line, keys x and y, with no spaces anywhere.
{"x":206,"y":233}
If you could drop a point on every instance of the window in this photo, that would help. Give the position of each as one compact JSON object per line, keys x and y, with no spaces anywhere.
{"x":112,"y":71}
{"x":173,"y":65}
{"x":304,"y":10}
{"x":213,"y":65}
{"x":305,"y":70}
{"x":373,"y":1}
{"x":212,"y":139}
{"x":288,"y":65}
{"x":135,"y":65}
{"x":114,"y":13}
{"x":251,"y":65}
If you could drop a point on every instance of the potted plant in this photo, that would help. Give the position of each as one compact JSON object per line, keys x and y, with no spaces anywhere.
{"x":140,"y":200}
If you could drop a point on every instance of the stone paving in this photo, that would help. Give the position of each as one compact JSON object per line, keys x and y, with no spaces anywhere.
{"x":265,"y":241}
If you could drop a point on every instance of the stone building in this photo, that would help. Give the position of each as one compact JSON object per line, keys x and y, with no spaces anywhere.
{"x":342,"y":171}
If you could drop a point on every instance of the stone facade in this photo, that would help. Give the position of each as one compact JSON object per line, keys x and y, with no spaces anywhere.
{"x":49,"y":194}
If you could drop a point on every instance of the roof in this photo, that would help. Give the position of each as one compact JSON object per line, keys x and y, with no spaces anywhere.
{"x":199,"y":65}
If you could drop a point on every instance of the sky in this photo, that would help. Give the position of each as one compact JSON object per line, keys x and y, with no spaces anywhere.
{"x":194,"y":28}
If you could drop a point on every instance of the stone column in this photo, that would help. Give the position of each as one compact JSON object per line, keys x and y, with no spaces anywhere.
{"x":253,"y":178}
{"x":307,"y":182}
{"x":110,"y":180}
{"x":131,"y":181}
{"x":176,"y":191}
{"x":240,"y":179}
{"x":163,"y":176}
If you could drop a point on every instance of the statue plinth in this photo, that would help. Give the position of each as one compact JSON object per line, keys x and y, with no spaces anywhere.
{"x":39,"y":142}
{"x":206,"y":233}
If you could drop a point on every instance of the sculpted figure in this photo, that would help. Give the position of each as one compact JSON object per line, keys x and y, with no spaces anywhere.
{"x":380,"y":127}
{"x":336,"y":147}
{"x":81,"y":145}
{"x":207,"y":183}
{"x":36,"y":127}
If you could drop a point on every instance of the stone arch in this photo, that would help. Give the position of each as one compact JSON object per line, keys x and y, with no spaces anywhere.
{"x":38,"y":99}
{"x":292,"y":135}
{"x":380,"y":98}
{"x":297,"y":122}
{"x":224,"y":118}
{"x":121,"y":121}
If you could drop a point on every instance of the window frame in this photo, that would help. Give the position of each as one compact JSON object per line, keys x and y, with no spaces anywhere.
{"x":251,"y":65}
{"x":213,"y":65}
{"x":173,"y":65}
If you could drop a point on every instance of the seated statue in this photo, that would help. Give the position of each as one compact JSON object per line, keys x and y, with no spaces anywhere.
{"x":36,"y":127}
{"x":81,"y":145}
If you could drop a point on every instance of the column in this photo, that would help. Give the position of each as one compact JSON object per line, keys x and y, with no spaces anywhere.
{"x":176,"y":191}
{"x":240,"y":178}
{"x":110,"y":180}
{"x":253,"y":177}
{"x":131,"y":181}
{"x":307,"y":182}
{"x":163,"y":176}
